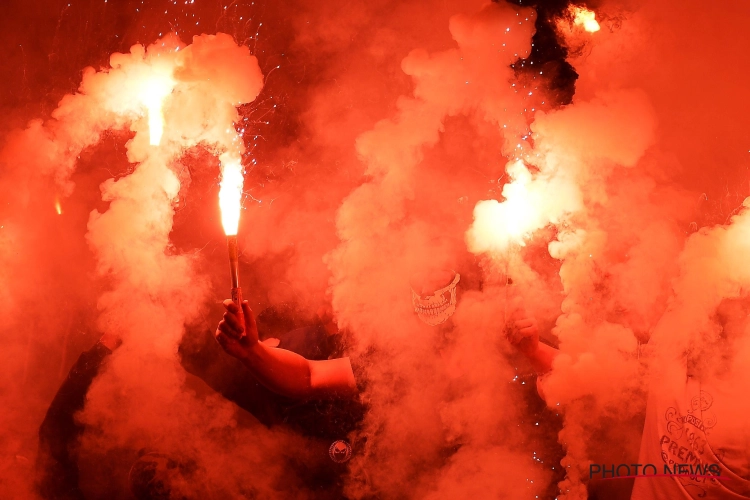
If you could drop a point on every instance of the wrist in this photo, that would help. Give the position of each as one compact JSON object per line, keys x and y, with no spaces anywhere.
{"x":253,"y":352}
{"x":528,"y":347}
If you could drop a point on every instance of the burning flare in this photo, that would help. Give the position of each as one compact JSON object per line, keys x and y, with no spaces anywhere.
{"x":585,"y":18}
{"x":230,"y":194}
{"x":230,"y":198}
{"x":498,"y":225}
{"x":154,"y":91}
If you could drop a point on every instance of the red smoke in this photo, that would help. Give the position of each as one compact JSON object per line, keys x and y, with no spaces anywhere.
{"x":380,"y":139}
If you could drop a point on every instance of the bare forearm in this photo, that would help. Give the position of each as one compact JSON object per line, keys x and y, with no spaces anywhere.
{"x":281,"y":371}
{"x":291,"y":375}
{"x":332,"y":378}
{"x":541,"y":359}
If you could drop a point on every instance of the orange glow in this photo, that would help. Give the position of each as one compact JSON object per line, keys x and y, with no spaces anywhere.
{"x":230,"y":194}
{"x":585,"y":18}
{"x":58,"y":207}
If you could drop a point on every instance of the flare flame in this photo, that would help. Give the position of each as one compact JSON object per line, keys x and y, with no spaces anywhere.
{"x":153,"y":94}
{"x":585,"y":18}
{"x":497,"y":225}
{"x":230,"y":194}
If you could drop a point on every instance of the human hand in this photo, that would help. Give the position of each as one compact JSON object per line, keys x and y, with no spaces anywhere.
{"x":235,"y":338}
{"x":521,"y":330}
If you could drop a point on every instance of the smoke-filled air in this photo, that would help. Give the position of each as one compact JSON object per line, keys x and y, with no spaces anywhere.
{"x":374,"y":250}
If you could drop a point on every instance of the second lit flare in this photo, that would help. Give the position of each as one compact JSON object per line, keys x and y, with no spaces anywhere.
{"x":585,"y":18}
{"x":500,"y":225}
{"x":153,"y":93}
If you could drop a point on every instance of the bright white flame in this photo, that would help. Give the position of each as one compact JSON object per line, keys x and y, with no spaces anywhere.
{"x":498,"y":225}
{"x":230,"y":194}
{"x":154,"y":91}
{"x":585,"y":17}
{"x":58,"y":207}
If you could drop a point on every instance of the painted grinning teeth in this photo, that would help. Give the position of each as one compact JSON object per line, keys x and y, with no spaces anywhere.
{"x":432,"y":310}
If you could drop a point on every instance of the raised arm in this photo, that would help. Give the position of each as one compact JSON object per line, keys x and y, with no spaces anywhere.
{"x":281,"y":371}
{"x":57,"y":459}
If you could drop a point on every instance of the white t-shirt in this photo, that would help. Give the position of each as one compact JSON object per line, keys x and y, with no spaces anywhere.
{"x":694,"y":423}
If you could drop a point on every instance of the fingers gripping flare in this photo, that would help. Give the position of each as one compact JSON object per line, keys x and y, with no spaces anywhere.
{"x":237,"y":331}
{"x":520,"y":326}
